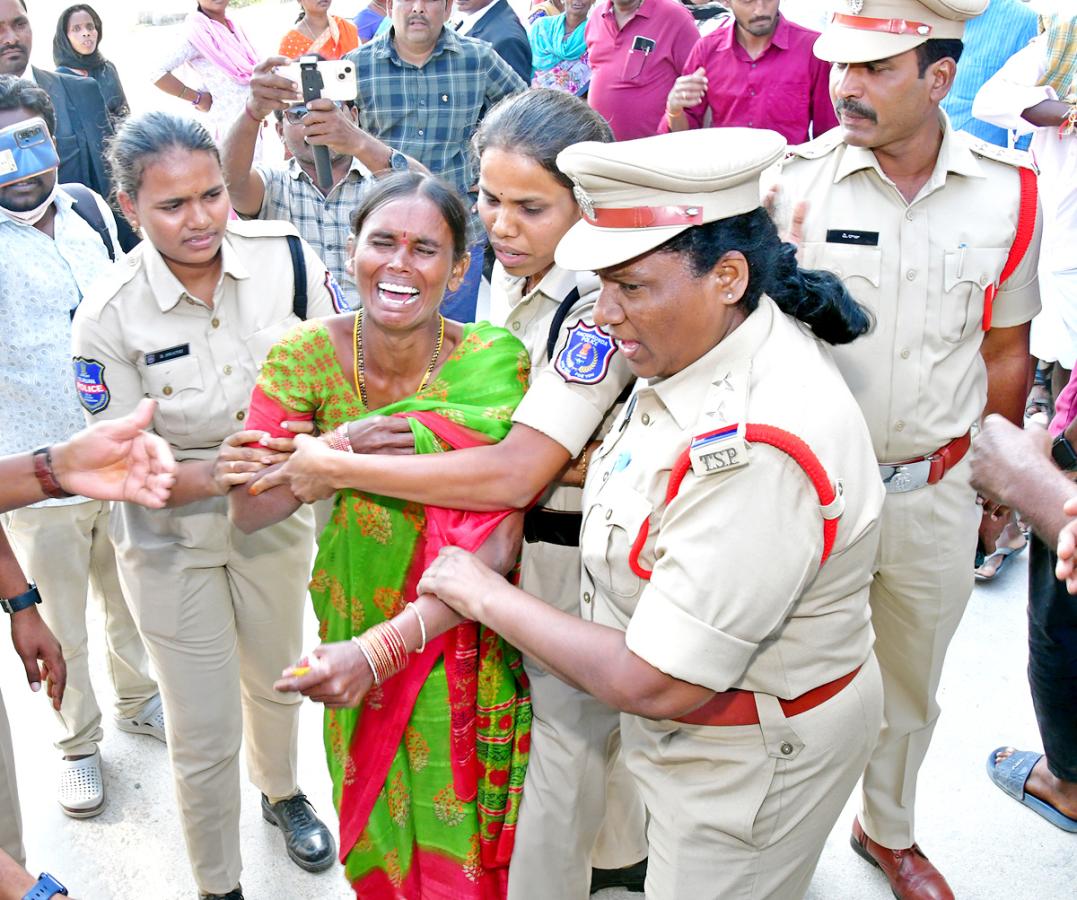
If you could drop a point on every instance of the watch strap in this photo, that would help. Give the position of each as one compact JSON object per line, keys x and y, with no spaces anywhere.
{"x":46,"y":886}
{"x":46,"y":478}
{"x":1063,"y":454}
{"x":19,"y":602}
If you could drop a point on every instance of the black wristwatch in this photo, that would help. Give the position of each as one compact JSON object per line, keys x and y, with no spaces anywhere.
{"x":1063,"y":454}
{"x":398,"y":162}
{"x":47,"y":886}
{"x":27,"y":598}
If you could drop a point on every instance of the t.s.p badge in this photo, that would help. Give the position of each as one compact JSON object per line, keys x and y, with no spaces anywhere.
{"x":586,"y":356}
{"x":90,"y":384}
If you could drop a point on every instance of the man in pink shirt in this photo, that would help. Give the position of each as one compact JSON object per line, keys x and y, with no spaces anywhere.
{"x":637,"y":48}
{"x":756,"y":72}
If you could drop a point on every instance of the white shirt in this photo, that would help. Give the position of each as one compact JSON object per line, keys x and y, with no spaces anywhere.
{"x":471,"y":19}
{"x":42,"y":280}
{"x":1016,"y":87}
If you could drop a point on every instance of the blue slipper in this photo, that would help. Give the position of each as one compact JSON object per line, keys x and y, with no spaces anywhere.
{"x":1011,"y":774}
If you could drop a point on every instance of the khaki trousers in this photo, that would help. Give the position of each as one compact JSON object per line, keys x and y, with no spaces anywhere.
{"x":10,"y":814}
{"x":222,"y":615}
{"x":580,"y":807}
{"x":923,"y":583}
{"x":61,"y":549}
{"x":742,"y":812}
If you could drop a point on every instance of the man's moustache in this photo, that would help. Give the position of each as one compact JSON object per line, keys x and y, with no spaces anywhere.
{"x":856,"y":109}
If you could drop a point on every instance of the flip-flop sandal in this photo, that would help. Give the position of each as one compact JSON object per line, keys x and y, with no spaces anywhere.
{"x":1011,"y":774}
{"x":1002,"y":554}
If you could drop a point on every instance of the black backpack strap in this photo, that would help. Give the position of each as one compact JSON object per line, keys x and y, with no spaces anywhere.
{"x":559,"y":320}
{"x":299,"y":273}
{"x":85,"y":206}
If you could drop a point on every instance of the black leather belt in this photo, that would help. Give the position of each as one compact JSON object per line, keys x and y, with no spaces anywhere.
{"x":551,"y":526}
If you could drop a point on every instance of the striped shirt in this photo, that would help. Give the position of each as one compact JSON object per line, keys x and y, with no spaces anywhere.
{"x":430,"y":112}
{"x":323,"y":222}
{"x":991,"y":38}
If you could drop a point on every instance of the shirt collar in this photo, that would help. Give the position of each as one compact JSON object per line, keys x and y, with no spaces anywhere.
{"x":167,"y":288}
{"x":448,"y":41}
{"x":954,"y":156}
{"x":470,"y":20}
{"x":779,"y":39}
{"x":296,"y":173}
{"x":684,"y":393}
{"x":643,"y":11}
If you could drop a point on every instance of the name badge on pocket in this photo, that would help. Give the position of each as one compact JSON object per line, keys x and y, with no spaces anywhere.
{"x":849,"y":236}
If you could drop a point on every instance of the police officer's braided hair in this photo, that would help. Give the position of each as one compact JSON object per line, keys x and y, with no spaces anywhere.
{"x":141,"y":139}
{"x":539,"y":124}
{"x":816,"y":298}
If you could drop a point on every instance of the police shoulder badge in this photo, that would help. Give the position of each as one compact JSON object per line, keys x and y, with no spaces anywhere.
{"x":586,"y":356}
{"x":90,"y":384}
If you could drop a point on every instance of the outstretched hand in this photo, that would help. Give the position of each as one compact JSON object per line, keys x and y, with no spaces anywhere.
{"x":117,"y":460}
{"x":460,"y":580}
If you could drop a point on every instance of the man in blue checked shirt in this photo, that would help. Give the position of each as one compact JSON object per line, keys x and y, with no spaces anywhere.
{"x":423,"y":89}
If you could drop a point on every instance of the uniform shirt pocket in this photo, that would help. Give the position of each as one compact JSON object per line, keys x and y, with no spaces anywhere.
{"x":967,"y":272}
{"x":178,"y":388}
{"x":848,"y":261}
{"x":610,"y":527}
{"x":261,"y":342}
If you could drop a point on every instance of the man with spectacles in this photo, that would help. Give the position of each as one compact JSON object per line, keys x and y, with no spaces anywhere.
{"x":291,"y":191}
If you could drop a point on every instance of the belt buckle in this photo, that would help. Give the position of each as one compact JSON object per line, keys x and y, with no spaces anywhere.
{"x":905,"y":477}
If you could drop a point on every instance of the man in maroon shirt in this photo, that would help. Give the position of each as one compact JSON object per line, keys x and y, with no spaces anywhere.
{"x":757,"y":72}
{"x":637,"y":48}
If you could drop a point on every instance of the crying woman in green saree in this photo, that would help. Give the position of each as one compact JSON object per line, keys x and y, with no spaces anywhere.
{"x":427,"y":721}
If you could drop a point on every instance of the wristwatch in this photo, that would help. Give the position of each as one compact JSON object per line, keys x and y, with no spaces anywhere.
{"x":46,"y":887}
{"x":398,"y":162}
{"x":1063,"y":454}
{"x":27,"y":598}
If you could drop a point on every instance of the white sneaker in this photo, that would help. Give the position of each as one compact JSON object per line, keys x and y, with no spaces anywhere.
{"x":148,"y":720}
{"x":82,"y":789}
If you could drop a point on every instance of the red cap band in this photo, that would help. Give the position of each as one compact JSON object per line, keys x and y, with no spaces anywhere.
{"x":645,"y":216}
{"x":887,"y":26}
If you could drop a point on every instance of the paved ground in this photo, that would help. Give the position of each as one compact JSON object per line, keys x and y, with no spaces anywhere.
{"x":988,"y":845}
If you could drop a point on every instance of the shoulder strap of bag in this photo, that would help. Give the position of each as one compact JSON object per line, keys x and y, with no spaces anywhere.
{"x":299,"y":274}
{"x":85,"y":206}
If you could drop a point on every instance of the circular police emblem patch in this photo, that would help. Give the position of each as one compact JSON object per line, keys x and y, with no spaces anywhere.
{"x":587,"y":205}
{"x":855,"y":6}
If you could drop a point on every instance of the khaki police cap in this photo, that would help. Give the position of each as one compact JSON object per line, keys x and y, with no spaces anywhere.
{"x":859,"y":31}
{"x":638,"y":194}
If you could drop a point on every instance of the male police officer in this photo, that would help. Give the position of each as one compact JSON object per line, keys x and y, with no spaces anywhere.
{"x":951,"y":335}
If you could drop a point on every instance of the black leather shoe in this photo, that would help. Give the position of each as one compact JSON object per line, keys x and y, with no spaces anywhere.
{"x":308,"y":841}
{"x":236,"y":894}
{"x":631,"y":878}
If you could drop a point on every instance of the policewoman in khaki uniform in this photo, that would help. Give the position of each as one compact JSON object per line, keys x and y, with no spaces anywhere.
{"x":730,"y":522}
{"x":573,"y":814}
{"x":922,"y":224}
{"x":187,"y":321}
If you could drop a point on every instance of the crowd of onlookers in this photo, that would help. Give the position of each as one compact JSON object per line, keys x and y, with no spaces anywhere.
{"x":427,"y":73}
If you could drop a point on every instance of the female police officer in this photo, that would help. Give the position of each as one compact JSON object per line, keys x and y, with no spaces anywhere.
{"x":187,"y":319}
{"x":730,"y":521}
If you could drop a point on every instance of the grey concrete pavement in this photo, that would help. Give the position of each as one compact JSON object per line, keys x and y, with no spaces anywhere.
{"x":988,"y":846}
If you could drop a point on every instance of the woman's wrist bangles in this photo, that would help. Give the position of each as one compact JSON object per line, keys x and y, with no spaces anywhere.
{"x":384,"y":650}
{"x":411,"y":607}
{"x":340,"y":439}
{"x":197,"y":98}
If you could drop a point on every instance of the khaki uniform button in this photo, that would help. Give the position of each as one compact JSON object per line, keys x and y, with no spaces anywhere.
{"x":609,"y":513}
{"x":167,"y":390}
{"x":586,"y":596}
{"x":899,"y":425}
{"x":515,"y":326}
{"x":227,"y":370}
{"x":645,"y":419}
{"x":911,"y":275}
{"x":241,"y":415}
{"x":605,"y":476}
{"x":984,"y":281}
{"x":905,"y":353}
{"x":908,"y":215}
{"x":216,"y":323}
{"x":786,"y":748}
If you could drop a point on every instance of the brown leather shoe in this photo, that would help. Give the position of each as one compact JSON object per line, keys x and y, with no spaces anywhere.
{"x":910,"y":873}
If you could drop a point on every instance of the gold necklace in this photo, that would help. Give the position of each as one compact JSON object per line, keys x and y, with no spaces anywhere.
{"x":358,"y":369}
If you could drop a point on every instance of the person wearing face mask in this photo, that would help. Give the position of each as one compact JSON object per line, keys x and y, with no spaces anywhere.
{"x":76,"y":50}
{"x":187,"y":320}
{"x":52,"y":257}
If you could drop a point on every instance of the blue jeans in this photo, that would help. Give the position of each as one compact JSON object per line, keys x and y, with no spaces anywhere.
{"x":460,"y":304}
{"x":1052,"y":661}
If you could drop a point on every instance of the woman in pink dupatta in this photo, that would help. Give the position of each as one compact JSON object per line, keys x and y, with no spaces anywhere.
{"x":221,"y":57}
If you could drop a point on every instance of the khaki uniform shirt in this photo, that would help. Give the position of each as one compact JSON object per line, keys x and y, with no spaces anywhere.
{"x":921,"y":268}
{"x":140,"y":334}
{"x":564,"y":403}
{"x":737,"y":598}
